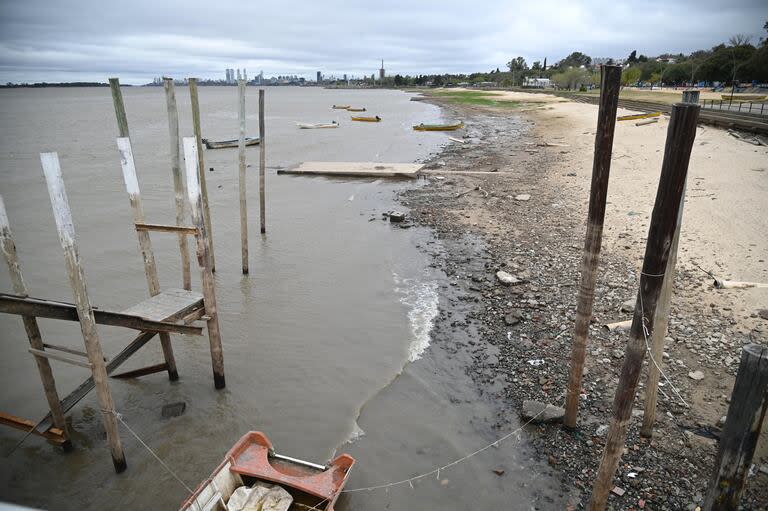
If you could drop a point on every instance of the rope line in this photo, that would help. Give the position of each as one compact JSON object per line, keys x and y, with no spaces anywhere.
{"x":650,"y":354}
{"x":437,"y":470}
{"x":119,"y":417}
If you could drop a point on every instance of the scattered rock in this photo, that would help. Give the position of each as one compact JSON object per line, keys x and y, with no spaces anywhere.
{"x":696,"y":375}
{"x":601,"y":430}
{"x":523,"y":197}
{"x":396,"y":216}
{"x":174,"y":409}
{"x":507,"y":278}
{"x":498,"y":471}
{"x":628,"y":306}
{"x":538,"y":412}
{"x":763,"y":313}
{"x":513,"y":318}
{"x":618,"y":491}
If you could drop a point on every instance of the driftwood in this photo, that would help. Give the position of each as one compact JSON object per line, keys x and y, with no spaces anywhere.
{"x":735,"y":284}
{"x":619,"y":326}
{"x":649,"y":121}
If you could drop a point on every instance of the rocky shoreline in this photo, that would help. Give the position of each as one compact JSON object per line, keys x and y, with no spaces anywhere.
{"x":532,"y":228}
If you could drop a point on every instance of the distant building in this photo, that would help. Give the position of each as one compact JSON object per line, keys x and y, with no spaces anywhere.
{"x":381,"y":70}
{"x":239,"y":77}
{"x":537,"y":83}
{"x":245,"y":75}
{"x":319,"y":77}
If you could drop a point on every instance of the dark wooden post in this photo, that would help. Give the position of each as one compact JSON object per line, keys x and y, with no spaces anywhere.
{"x":749,"y":401}
{"x":677,"y":154}
{"x":117,"y":101}
{"x":606,"y":123}
{"x":262,"y":164}
{"x":241,"y":177}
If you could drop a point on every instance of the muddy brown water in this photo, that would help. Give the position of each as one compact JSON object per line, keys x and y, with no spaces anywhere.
{"x":326,"y":342}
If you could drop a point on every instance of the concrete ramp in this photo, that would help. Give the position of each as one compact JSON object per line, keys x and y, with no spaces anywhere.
{"x":358,"y":169}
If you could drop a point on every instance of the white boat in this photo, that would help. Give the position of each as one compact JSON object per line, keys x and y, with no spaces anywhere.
{"x":310,"y":126}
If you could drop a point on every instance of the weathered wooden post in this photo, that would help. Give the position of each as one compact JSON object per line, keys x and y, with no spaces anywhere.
{"x":8,"y":248}
{"x":662,"y":317}
{"x":677,"y":154}
{"x":262,"y":163}
{"x":117,"y":101}
{"x":145,"y":244}
{"x":749,"y":402}
{"x":606,"y":122}
{"x":242,"y":181}
{"x":201,"y":162}
{"x":209,"y":292}
{"x":178,"y":182}
{"x":63,"y":217}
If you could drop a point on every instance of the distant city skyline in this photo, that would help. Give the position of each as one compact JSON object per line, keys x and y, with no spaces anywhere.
{"x":45,"y":40}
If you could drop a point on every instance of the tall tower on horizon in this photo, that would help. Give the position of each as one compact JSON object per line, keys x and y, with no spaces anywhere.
{"x":381,"y":70}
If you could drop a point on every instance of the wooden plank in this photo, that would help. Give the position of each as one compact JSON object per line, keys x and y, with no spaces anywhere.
{"x":241,"y":178}
{"x":145,"y":244}
{"x":135,"y":373}
{"x":8,"y":247}
{"x":746,"y":413}
{"x":209,"y":285}
{"x":65,"y":227}
{"x":171,"y":303}
{"x":35,"y":307}
{"x":355,"y":169}
{"x":178,"y":182}
{"x":52,"y":434}
{"x":196,"y":126}
{"x":677,"y":152}
{"x":601,"y":169}
{"x":262,"y":164}
{"x":60,"y":358}
{"x":166,"y":228}
{"x":65,"y":349}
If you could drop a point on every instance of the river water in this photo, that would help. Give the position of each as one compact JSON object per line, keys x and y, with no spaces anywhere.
{"x":326,"y":342}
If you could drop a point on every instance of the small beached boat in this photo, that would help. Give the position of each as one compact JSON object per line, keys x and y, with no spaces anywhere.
{"x":350,"y":109}
{"x":210,"y":144}
{"x":637,"y":116}
{"x":744,"y":97}
{"x":439,"y":127}
{"x":340,"y":107}
{"x":253,"y":474}
{"x":367,"y":119}
{"x":310,"y":126}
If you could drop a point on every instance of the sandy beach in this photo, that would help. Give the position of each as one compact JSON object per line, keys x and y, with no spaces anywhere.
{"x":530,"y":215}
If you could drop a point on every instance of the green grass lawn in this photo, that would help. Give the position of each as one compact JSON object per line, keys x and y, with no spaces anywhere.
{"x":477,"y":98}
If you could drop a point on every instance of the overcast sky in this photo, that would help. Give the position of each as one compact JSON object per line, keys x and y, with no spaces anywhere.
{"x":138,"y":39}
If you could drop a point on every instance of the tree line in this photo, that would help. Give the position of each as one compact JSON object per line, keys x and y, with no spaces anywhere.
{"x":737,"y":61}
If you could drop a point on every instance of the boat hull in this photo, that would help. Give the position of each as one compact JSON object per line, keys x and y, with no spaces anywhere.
{"x":439,"y":127}
{"x":223,"y":144}
{"x":366,"y":119}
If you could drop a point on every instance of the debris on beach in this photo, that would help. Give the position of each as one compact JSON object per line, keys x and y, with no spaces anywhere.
{"x":539,"y":413}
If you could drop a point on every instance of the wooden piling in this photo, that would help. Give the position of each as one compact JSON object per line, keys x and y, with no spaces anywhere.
{"x":262,"y":164}
{"x":145,"y":244}
{"x":749,"y":402}
{"x":63,"y":217}
{"x":606,"y":122}
{"x":117,"y":101}
{"x":677,"y":152}
{"x":201,"y":162}
{"x":660,"y":331}
{"x":209,"y":292}
{"x":8,"y":248}
{"x":242,"y":181}
{"x":178,"y":181}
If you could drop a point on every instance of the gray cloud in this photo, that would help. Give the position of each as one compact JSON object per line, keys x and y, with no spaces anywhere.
{"x":137,"y":40}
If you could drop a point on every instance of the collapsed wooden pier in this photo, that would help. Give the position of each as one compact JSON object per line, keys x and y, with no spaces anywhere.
{"x":165,"y":311}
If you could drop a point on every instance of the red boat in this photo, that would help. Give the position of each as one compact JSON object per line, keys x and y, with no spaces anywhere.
{"x":252,"y":465}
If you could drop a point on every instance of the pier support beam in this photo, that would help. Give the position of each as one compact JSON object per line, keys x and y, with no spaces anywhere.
{"x":66,"y":230}
{"x":209,"y":292}
{"x":196,"y":126}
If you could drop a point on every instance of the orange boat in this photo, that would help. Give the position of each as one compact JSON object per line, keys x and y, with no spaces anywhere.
{"x":252,"y":470}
